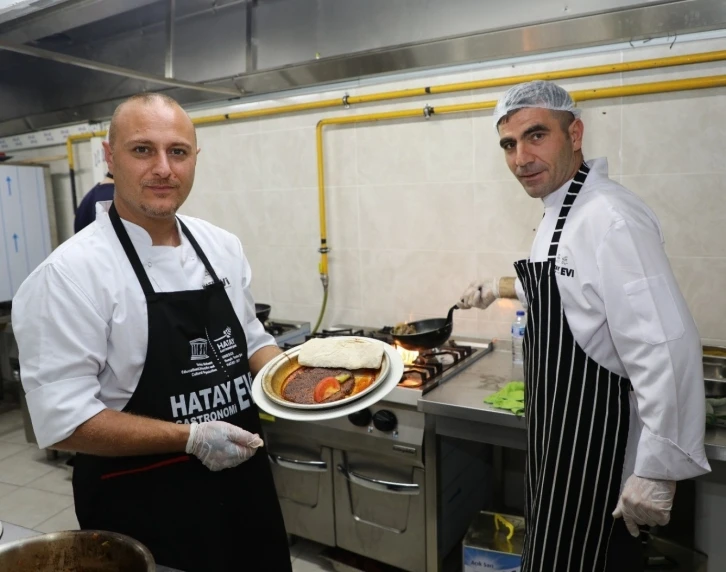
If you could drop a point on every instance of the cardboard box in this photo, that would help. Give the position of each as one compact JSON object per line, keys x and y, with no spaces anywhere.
{"x":488,"y":550}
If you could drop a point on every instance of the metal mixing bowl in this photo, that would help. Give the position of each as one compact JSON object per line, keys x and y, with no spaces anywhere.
{"x":76,"y":551}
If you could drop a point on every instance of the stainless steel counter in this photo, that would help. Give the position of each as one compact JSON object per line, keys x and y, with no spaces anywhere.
{"x":13,"y":532}
{"x":716,"y":444}
{"x":461,"y":412}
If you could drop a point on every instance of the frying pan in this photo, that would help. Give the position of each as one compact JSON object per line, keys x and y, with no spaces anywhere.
{"x":263,"y":312}
{"x":429,"y":334}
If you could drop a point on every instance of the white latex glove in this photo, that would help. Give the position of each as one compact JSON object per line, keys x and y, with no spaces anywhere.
{"x":221,"y":445}
{"x":480,"y":294}
{"x":645,"y":501}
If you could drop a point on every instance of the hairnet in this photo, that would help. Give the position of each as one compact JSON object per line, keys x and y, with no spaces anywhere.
{"x":541,"y":94}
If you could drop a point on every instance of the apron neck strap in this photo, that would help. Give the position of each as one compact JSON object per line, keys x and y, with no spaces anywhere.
{"x":570,"y":197}
{"x":133,"y":256}
{"x":198,"y":250}
{"x":130,"y":251}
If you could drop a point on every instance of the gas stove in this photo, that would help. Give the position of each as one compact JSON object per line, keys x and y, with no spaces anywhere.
{"x":423,"y":370}
{"x":365,"y":483}
{"x":287,"y":332}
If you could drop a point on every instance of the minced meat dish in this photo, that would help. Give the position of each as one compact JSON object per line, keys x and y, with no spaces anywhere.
{"x":300,"y":387}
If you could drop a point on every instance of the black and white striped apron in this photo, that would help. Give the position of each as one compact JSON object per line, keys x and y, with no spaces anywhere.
{"x":577,"y":416}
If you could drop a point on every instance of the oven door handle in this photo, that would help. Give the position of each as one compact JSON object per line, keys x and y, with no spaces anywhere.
{"x":379,"y":484}
{"x":298,"y":465}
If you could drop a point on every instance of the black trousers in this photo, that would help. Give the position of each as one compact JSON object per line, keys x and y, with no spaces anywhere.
{"x":626,"y":553}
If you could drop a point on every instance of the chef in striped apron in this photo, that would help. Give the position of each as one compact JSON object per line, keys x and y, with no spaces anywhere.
{"x":614,"y":397}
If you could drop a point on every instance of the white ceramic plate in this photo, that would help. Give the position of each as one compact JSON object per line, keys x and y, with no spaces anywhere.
{"x":382,"y":390}
{"x":274,"y":364}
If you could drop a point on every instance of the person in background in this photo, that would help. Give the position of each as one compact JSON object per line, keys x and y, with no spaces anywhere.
{"x":86,"y":211}
{"x":85,"y":215}
{"x":614,"y":393}
{"x":138,"y":341}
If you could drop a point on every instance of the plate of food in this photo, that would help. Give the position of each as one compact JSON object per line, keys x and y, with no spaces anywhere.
{"x":324,"y":372}
{"x":342,"y":407}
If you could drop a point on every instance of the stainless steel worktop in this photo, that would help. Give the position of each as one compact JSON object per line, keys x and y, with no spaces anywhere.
{"x":461,"y":412}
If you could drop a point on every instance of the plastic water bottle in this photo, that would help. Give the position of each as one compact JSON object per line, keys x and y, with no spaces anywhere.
{"x":517,"y":351}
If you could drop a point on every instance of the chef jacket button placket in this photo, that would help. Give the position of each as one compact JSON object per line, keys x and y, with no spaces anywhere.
{"x":148,"y":264}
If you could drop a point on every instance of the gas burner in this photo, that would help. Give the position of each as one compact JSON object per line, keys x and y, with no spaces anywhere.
{"x":339,"y":332}
{"x":382,"y":336}
{"x":436,"y":358}
{"x":275,"y":329}
{"x":286,"y":331}
{"x":413,"y":378}
{"x":429,"y":361}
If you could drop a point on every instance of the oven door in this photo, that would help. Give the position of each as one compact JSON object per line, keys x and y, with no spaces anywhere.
{"x":304,"y":483}
{"x":379,"y":509}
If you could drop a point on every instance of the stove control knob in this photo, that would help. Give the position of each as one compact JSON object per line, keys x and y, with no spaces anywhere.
{"x":385,"y":421}
{"x":360,"y":418}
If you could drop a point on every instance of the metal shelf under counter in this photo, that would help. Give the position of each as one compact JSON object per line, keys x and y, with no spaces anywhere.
{"x":456,"y":410}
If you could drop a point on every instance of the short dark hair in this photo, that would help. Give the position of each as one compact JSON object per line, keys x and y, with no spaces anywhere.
{"x":564,"y":118}
{"x":145,"y":97}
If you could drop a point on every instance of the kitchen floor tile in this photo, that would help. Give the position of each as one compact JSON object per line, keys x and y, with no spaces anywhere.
{"x":64,"y":520}
{"x":6,"y":489}
{"x":24,"y":467}
{"x":9,"y":449}
{"x":17,"y":437}
{"x":57,"y":481}
{"x":29,"y":507}
{"x":311,"y":563}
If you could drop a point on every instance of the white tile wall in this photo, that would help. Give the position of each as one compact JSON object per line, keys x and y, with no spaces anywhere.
{"x":690,"y":208}
{"x":678,"y":132}
{"x":418,"y":209}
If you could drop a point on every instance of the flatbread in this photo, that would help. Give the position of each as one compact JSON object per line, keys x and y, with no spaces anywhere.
{"x":347,"y":353}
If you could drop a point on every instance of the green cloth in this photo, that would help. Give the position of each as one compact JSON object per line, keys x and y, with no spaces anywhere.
{"x":716,"y":412}
{"x":510,"y":397}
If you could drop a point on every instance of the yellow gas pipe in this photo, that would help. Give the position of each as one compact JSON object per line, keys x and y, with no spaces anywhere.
{"x":71,"y":162}
{"x":655,"y":87}
{"x":653,"y":63}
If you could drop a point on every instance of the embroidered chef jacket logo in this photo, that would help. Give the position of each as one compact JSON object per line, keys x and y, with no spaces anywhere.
{"x":199,"y":349}
{"x":208,"y":280}
{"x":561,"y":267}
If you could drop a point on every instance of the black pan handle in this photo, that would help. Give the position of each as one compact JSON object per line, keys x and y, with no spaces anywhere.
{"x":450,"y":315}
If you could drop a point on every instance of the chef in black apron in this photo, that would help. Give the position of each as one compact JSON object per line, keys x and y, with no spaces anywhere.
{"x":181,"y":468}
{"x":578,"y":412}
{"x":575,"y":406}
{"x":190,"y":517}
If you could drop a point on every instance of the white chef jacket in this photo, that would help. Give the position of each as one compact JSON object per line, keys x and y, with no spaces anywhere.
{"x":627,"y":313}
{"x":80,"y":318}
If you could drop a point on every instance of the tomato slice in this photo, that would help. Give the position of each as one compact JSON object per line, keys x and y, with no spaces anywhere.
{"x":325,"y":388}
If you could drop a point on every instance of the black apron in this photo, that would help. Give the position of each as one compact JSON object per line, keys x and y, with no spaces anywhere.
{"x":577,"y":416}
{"x":196,"y":370}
